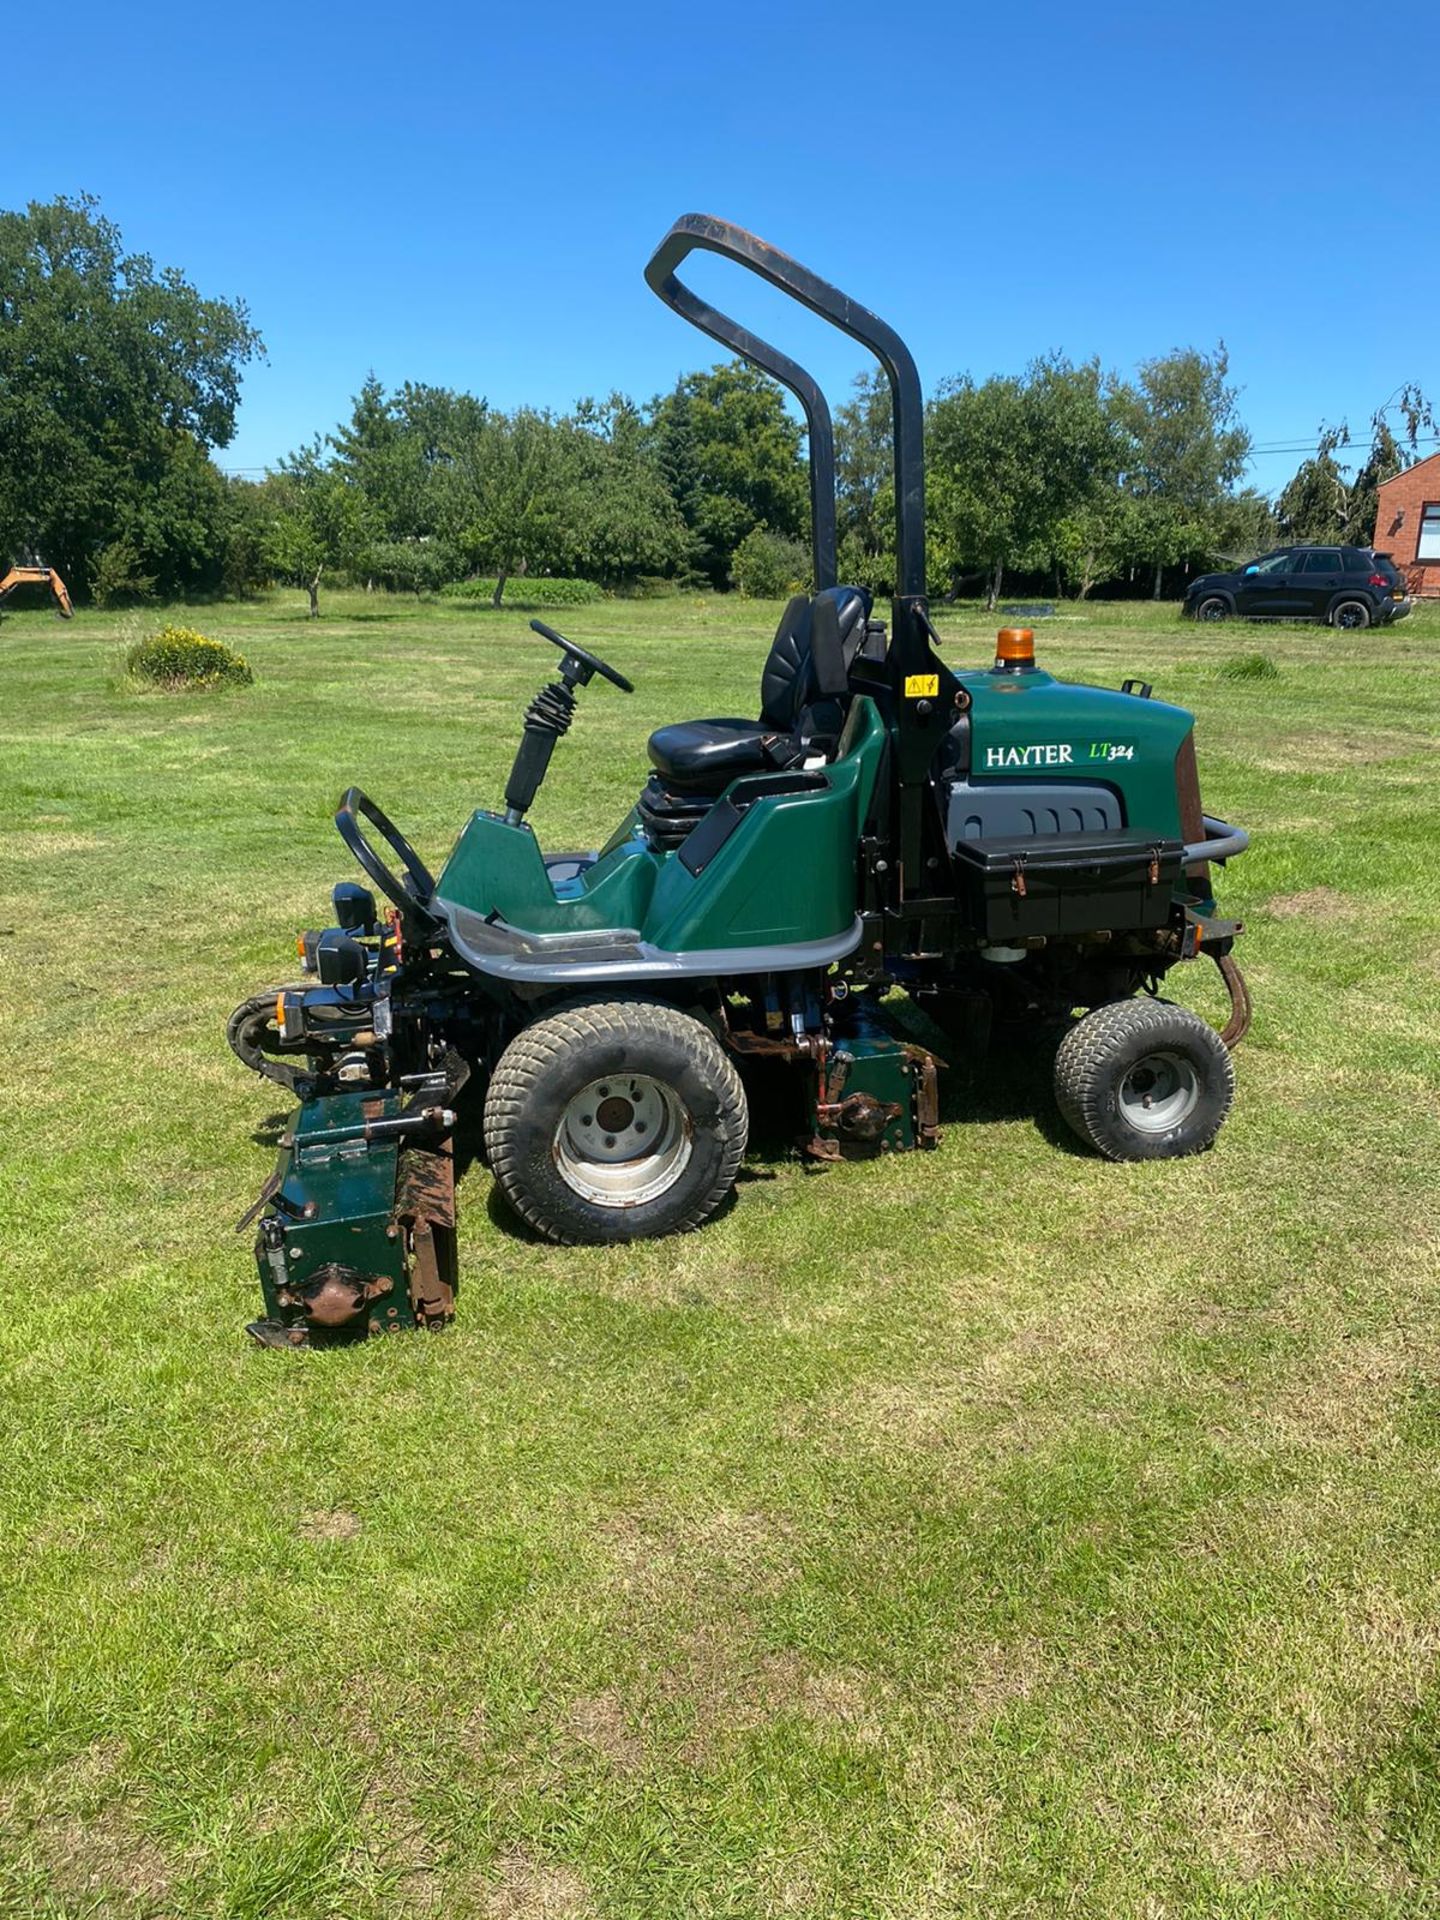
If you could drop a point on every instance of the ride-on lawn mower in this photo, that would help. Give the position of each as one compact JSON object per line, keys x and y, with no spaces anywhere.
{"x":995,"y":843}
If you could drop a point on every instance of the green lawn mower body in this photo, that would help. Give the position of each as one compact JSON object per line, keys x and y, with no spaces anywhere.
{"x":1000,"y":845}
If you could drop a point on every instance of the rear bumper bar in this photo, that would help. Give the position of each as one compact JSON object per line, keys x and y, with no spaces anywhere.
{"x":1222,"y":842}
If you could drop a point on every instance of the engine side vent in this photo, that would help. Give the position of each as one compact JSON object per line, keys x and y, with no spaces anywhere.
{"x":1037,"y":808}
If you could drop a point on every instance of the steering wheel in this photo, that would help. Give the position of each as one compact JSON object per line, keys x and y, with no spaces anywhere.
{"x":582,"y":656}
{"x":412,"y":893}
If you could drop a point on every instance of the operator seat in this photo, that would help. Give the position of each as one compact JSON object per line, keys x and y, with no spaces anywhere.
{"x":702,"y":757}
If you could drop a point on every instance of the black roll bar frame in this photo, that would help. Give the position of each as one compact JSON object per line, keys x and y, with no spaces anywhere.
{"x":925,"y":696}
{"x":704,"y":231}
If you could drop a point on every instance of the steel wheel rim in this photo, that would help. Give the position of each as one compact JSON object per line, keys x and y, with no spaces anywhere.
{"x":623,"y":1140}
{"x":1159,"y":1092}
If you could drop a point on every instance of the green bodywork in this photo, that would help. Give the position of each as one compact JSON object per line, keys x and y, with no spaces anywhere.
{"x":1118,"y":738}
{"x":788,"y":872}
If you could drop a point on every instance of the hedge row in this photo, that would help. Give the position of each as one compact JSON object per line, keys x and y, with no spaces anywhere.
{"x":529,"y":590}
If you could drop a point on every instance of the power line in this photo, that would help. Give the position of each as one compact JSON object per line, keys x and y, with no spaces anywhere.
{"x":1347,"y":446}
{"x":1266,"y":447}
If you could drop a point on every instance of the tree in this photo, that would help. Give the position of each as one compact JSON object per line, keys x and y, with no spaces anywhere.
{"x":245,"y":565}
{"x":504,"y":484}
{"x":730,"y":456}
{"x":1096,"y":539}
{"x":116,"y":380}
{"x":380,"y":451}
{"x":1321,"y":502}
{"x":1314,"y":504}
{"x":620,"y":518}
{"x":1246,"y":527}
{"x":1189,"y":449}
{"x":316,"y":519}
{"x":865,"y":484}
{"x":982,"y":484}
{"x":1021,"y":468}
{"x":1080,"y":447}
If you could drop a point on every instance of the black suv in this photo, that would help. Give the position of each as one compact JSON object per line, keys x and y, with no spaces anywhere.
{"x":1345,"y":586}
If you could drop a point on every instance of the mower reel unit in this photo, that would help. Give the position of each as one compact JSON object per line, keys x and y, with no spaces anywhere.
{"x":992,"y":842}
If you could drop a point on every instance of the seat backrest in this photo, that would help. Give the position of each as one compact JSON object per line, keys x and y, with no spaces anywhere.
{"x":788,"y":690}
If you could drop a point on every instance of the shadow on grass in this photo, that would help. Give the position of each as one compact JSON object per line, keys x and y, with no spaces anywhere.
{"x":1012,"y":1080}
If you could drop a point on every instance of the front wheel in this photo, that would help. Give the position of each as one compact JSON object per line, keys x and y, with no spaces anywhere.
{"x":619,"y":1120}
{"x":1144,"y":1080}
{"x":1352,"y":615}
{"x":1213,"y":607}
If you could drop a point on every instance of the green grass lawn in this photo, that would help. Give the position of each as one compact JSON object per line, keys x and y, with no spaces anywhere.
{"x":988,"y":1532}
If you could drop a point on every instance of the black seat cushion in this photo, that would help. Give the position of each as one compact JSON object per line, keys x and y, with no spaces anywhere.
{"x":704,"y":756}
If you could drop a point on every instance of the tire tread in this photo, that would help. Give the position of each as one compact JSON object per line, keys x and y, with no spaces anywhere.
{"x":538,"y":1048}
{"x":1084,"y":1056}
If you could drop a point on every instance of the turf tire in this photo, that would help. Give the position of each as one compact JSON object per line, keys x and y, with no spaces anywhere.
{"x":1101,"y":1053}
{"x":546,"y":1065}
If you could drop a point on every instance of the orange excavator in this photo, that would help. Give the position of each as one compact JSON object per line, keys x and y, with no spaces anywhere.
{"x":37,"y":577}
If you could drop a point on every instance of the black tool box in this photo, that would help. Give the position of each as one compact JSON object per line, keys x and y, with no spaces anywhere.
{"x":1020,"y":885}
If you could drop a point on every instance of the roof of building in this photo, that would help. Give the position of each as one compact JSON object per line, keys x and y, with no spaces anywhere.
{"x":1408,"y":473}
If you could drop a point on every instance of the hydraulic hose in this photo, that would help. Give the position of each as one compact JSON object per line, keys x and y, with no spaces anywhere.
{"x":249,"y":1028}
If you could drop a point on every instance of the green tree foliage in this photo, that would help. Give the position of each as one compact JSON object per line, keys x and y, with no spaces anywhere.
{"x":1314,"y":504}
{"x":983,"y":486}
{"x":451,"y":485}
{"x":386,"y":454}
{"x":1188,"y":449}
{"x":1024,"y":472}
{"x":767,"y":566}
{"x":624,"y":522}
{"x":115,"y":576}
{"x":730,"y":457}
{"x":315,"y":520}
{"x":245,"y":565}
{"x":1324,"y":501}
{"x":504,"y":486}
{"x":115,"y":382}
{"x":865,"y":484}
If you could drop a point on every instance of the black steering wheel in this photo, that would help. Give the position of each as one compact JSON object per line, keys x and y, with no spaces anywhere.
{"x":582,"y":656}
{"x":411,"y":894}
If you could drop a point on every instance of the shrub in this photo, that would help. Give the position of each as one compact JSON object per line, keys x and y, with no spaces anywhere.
{"x":409,"y":566}
{"x":1250,"y":666}
{"x":651,"y":586}
{"x":529,"y":590}
{"x":178,"y":657}
{"x":767,"y":566}
{"x":115,"y":575}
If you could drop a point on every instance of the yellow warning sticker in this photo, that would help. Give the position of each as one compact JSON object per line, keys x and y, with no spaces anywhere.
{"x":921,"y":686}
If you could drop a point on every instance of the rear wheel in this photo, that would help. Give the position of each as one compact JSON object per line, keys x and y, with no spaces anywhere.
{"x":1350,"y":614}
{"x":1144,"y":1080}
{"x":1213,"y":607}
{"x":622,"y":1120}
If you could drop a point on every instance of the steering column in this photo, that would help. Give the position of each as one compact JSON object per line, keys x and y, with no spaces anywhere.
{"x":548,"y":717}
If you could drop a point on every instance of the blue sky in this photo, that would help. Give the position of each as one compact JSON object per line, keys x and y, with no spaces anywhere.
{"x":468,"y":194}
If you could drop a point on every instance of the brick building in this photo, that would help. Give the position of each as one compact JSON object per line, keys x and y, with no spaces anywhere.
{"x":1408,"y":525}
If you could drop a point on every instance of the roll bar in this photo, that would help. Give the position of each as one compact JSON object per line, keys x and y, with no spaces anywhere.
{"x":704,"y":231}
